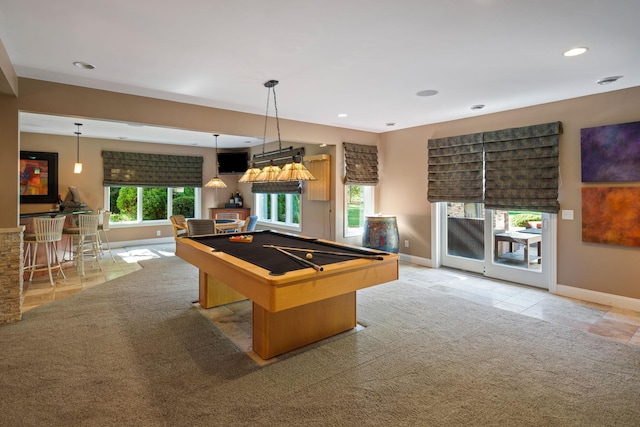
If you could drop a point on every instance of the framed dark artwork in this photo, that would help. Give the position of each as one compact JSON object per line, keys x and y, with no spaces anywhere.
{"x":611,"y":215}
{"x":611,"y":153}
{"x":38,"y":177}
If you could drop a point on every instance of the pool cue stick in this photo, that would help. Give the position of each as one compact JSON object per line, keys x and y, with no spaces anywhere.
{"x":377,"y":257}
{"x":296,"y":257}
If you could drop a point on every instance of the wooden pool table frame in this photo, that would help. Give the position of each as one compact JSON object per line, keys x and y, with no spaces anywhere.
{"x":290,"y":310}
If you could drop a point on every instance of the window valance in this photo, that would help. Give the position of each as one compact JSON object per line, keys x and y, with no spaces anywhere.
{"x":151,"y":170}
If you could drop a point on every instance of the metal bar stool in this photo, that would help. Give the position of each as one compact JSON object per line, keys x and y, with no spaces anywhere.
{"x":47,"y":231}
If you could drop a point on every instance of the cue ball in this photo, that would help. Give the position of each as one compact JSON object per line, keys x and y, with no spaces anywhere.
{"x":309,"y":255}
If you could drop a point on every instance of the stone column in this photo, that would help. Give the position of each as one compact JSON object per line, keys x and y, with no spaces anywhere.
{"x":11,"y":277}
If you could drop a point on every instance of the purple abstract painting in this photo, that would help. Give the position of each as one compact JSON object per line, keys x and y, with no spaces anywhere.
{"x":611,"y":153}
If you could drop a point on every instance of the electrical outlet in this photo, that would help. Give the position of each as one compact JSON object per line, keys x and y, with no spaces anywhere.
{"x":158,"y":233}
{"x":406,"y":243}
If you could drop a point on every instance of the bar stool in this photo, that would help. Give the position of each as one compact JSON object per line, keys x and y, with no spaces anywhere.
{"x":103,"y":227}
{"x":87,"y":245}
{"x":88,"y":229}
{"x":47,"y":231}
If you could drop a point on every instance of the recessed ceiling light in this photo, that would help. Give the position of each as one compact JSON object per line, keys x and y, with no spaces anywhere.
{"x":84,"y":65}
{"x":477,"y":107}
{"x":427,"y":92}
{"x":609,"y":80}
{"x":343,"y":115}
{"x":576,"y":51}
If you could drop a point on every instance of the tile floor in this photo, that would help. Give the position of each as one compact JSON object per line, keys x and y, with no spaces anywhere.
{"x":614,"y":323}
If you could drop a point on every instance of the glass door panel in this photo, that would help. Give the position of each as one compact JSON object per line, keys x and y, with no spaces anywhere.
{"x":507,"y":245}
{"x":463,"y":236}
{"x":518,"y":247}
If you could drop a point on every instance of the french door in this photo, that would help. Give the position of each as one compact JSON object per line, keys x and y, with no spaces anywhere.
{"x":507,"y":245}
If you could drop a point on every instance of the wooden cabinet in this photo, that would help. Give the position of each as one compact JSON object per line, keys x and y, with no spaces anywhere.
{"x":243,"y":213}
{"x":320,"y":168}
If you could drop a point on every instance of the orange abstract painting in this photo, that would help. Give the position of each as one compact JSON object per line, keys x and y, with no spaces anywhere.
{"x":611,"y":215}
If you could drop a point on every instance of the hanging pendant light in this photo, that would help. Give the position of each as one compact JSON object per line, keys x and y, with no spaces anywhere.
{"x":77,"y":168}
{"x":292,"y":171}
{"x":216,"y":182}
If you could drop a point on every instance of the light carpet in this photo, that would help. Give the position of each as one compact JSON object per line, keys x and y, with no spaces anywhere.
{"x":135,"y":351}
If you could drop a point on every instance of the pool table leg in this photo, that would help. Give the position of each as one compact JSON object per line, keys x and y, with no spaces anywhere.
{"x":283,"y":331}
{"x":212,"y":292}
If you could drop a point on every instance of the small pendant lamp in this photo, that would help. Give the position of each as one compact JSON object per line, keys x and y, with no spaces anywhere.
{"x":216,"y":182}
{"x":77,"y":168}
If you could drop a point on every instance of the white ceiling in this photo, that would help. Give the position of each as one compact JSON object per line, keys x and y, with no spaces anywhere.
{"x":365,"y":58}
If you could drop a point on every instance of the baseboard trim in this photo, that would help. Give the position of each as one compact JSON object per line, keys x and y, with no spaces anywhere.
{"x":598,"y":297}
{"x":426,"y":262}
{"x":126,"y":243}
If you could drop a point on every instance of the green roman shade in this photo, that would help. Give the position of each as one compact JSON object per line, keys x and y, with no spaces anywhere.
{"x":361,"y":164}
{"x":151,"y":170}
{"x":455,"y":169}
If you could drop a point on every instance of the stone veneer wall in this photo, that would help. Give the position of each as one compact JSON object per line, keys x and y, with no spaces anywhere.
{"x":11,"y":279}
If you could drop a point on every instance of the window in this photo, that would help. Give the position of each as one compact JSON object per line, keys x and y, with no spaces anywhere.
{"x":278,"y":209}
{"x":358,"y":203}
{"x":142,"y":204}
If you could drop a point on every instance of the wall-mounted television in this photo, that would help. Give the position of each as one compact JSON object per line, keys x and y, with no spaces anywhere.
{"x":233,"y":162}
{"x":38,"y":177}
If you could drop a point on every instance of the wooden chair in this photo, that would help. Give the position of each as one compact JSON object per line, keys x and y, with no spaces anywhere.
{"x":199,"y":227}
{"x":180,"y":228}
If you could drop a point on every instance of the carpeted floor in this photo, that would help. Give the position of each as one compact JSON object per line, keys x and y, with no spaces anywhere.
{"x":135,"y":351}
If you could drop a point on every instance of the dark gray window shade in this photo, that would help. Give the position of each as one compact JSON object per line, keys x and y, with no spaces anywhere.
{"x":521,"y":168}
{"x":278,"y":158}
{"x":151,"y":170}
{"x":288,"y":187}
{"x":455,"y":169}
{"x":361,"y":164}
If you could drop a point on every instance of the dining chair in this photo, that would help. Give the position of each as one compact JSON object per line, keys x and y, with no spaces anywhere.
{"x":180,"y":227}
{"x":250,"y":223}
{"x":198,"y":227}
{"x":228,"y":215}
{"x":48,"y":232}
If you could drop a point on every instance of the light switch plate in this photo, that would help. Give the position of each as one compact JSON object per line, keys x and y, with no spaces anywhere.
{"x":567,"y":214}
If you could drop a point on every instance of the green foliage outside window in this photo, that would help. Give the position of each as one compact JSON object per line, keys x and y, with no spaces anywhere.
{"x":124,"y":203}
{"x":355,"y":206}
{"x":184,"y":202}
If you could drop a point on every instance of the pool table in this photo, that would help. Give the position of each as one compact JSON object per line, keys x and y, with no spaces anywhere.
{"x":294,"y":304}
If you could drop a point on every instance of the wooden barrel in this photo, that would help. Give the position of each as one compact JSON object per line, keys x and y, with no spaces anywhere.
{"x":381,"y":232}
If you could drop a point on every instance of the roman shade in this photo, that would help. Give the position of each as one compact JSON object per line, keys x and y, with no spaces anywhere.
{"x":361,"y":164}
{"x":521,"y":168}
{"x":514,"y":168}
{"x":151,"y":170}
{"x":455,"y":169}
